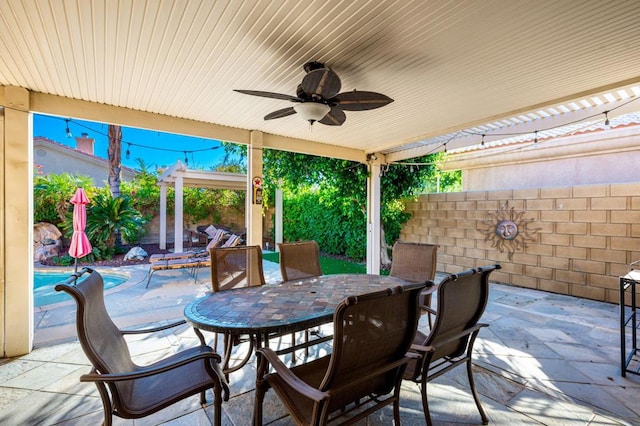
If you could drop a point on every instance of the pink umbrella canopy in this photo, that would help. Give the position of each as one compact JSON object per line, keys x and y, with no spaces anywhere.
{"x":80,"y":245}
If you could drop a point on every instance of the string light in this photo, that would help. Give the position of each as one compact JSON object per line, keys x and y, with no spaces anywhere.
{"x":607,"y":124}
{"x":186,"y":160}
{"x":130,"y":144}
{"x":68,"y":130}
{"x":482,"y":143}
{"x":536,"y":137}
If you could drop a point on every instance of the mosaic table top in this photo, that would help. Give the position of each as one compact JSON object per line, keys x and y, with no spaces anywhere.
{"x":291,"y":306}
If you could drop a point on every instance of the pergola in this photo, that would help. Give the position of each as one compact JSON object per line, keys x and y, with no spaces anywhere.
{"x":458,"y":72}
{"x":178,"y":176}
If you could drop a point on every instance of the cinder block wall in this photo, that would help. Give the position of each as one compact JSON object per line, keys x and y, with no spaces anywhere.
{"x":582,"y":238}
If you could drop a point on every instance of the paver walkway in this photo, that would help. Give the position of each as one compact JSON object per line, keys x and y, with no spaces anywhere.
{"x":545,"y":359}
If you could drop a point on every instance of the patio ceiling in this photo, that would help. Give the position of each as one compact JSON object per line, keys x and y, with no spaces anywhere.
{"x":450,"y":65}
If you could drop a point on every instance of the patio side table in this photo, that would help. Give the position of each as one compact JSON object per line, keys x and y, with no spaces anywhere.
{"x":628,"y":319}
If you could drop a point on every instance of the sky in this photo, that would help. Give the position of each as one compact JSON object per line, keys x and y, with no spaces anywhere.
{"x":158,"y":149}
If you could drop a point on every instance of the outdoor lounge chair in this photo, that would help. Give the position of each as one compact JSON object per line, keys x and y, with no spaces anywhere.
{"x":128,"y":390}
{"x":462,"y":299}
{"x":188,"y":260}
{"x":373,"y":333}
{"x":416,"y":263}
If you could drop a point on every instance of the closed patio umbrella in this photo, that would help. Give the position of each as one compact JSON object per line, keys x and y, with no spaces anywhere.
{"x":80,"y":244}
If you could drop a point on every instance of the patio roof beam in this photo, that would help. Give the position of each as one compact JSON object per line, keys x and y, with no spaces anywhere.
{"x":83,"y":110}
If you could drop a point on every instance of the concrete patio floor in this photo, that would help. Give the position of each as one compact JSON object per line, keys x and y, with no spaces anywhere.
{"x":545,"y":359}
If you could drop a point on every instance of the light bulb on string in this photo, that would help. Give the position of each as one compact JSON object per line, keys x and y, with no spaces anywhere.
{"x":607,"y":123}
{"x":68,"y":130}
{"x":536,"y":137}
{"x":128,"y":153}
{"x":482,"y":143}
{"x":186,"y":160}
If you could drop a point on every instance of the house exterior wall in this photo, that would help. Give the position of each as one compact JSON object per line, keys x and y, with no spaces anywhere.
{"x":56,"y":158}
{"x":611,"y":156}
{"x":582,"y":237}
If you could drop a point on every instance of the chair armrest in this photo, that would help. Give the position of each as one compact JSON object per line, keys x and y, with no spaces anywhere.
{"x":291,"y":379}
{"x":151,"y":371}
{"x":154,"y":329}
{"x":428,"y":309}
{"x":431,"y":348}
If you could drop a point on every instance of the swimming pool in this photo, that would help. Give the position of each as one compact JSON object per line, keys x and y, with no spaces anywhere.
{"x":44,"y":283}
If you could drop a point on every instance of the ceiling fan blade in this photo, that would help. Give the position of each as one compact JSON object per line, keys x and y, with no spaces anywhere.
{"x":362,"y":101}
{"x":335,"y":117}
{"x":322,"y":82}
{"x":280,"y":113}
{"x":269,"y":95}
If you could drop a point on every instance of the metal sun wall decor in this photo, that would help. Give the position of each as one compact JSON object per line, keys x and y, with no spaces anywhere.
{"x":508,"y":230}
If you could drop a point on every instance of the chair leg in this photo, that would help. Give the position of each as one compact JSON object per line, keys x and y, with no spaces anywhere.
{"x":425,"y":403}
{"x":485,"y":420}
{"x":261,"y":389}
{"x":201,"y":337}
{"x":396,"y":412}
{"x":106,"y":404}
{"x":217,"y":405}
{"x":293,"y":344}
{"x":149,"y":278}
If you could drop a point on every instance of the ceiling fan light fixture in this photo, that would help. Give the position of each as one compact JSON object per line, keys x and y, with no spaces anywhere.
{"x":312,"y":111}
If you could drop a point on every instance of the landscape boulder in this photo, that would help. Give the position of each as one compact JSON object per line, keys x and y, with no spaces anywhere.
{"x":47,"y":241}
{"x":136,"y":253}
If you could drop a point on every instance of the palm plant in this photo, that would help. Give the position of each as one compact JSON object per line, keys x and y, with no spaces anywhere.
{"x":106,"y":215}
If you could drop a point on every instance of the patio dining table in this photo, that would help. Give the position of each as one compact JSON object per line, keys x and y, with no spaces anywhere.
{"x":265,"y":311}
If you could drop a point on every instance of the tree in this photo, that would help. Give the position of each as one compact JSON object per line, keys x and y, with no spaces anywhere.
{"x":340,"y":186}
{"x":114,"y":153}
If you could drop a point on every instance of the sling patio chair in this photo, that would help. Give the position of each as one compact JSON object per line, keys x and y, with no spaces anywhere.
{"x":462,"y":299}
{"x":129,"y":390}
{"x":299,"y":260}
{"x":363,"y":373}
{"x":235,"y":267}
{"x":416,"y":263}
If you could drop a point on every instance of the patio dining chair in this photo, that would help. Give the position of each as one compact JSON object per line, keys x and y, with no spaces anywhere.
{"x":416,"y":263}
{"x":129,"y":390}
{"x":235,"y":267}
{"x":462,"y":299}
{"x":363,"y":373}
{"x":299,"y":260}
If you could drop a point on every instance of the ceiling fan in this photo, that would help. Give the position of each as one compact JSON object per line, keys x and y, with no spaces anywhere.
{"x":318,"y":99}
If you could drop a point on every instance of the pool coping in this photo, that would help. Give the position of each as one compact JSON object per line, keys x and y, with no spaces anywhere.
{"x":135,"y":275}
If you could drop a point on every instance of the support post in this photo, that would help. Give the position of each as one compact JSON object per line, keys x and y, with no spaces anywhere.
{"x":373,"y":218}
{"x":279,"y":211}
{"x":254,"y":201}
{"x":163,"y":216}
{"x":178,"y":224}
{"x":16,"y":223}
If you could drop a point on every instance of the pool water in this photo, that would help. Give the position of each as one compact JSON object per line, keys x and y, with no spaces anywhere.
{"x":44,"y":283}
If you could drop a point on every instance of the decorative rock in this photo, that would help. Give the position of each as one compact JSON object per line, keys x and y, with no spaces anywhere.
{"x":47,"y":241}
{"x":136,"y":253}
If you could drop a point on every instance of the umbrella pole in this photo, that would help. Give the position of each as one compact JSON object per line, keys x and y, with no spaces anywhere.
{"x":75,"y":266}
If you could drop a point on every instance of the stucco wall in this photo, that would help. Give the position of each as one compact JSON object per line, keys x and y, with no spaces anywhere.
{"x":56,"y":158}
{"x":582,"y":237}
{"x":590,"y":158}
